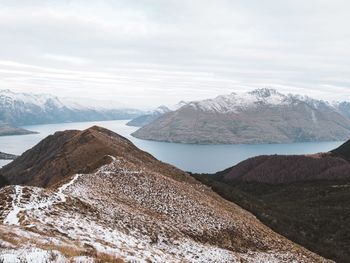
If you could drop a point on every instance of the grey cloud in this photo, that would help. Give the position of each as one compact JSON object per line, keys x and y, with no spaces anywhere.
{"x":151,"y":52}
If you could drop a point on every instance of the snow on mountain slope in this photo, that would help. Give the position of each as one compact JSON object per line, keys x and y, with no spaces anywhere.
{"x":10,"y":98}
{"x":155,"y":114}
{"x":234,"y":102}
{"x":84,"y":213}
{"x":27,"y":108}
{"x":131,"y":210}
{"x":259,"y":116}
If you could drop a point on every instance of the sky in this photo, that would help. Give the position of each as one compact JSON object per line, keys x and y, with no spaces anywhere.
{"x":146,"y":53}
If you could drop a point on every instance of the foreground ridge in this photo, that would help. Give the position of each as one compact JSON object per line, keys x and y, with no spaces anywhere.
{"x":127,"y":210}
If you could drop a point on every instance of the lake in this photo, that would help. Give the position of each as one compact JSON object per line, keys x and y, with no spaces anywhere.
{"x":188,"y":157}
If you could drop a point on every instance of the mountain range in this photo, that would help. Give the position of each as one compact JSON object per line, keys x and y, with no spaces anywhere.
{"x":303,"y":197}
{"x":92,"y":196}
{"x":18,"y":109}
{"x":256,"y":117}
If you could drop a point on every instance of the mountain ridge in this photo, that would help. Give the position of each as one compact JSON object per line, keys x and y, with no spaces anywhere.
{"x":256,"y":117}
{"x":28,"y":109}
{"x":72,"y":152}
{"x":149,"y":117}
{"x":302,"y":197}
{"x":129,"y":206}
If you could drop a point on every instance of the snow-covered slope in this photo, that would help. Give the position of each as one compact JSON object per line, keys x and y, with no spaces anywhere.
{"x":237,"y":102}
{"x":132,"y":208}
{"x":259,"y":116}
{"x":28,"y":108}
{"x":155,"y":114}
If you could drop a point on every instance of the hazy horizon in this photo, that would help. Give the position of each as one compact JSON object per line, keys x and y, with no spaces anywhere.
{"x":147,"y":53}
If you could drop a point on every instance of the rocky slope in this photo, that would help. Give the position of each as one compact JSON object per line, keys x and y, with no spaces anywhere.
{"x":260,"y":116}
{"x":125,"y":206}
{"x":149,"y":117}
{"x":26,"y":109}
{"x":305,"y":198}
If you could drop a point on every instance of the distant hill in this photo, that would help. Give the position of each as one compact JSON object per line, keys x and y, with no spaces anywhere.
{"x":107,"y":201}
{"x":149,"y":117}
{"x":70,"y":152}
{"x":26,"y":108}
{"x":259,"y":116}
{"x":343,"y":151}
{"x":284,"y":169}
{"x":7,"y":130}
{"x":305,"y":198}
{"x":6,"y":156}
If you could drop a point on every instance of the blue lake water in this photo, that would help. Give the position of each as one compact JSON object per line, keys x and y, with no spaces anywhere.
{"x":189,"y":157}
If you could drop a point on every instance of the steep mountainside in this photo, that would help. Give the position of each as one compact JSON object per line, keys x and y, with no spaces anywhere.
{"x":305,"y":198}
{"x":7,"y":130}
{"x":343,"y":108}
{"x":343,"y":151}
{"x":155,"y":114}
{"x":126,"y":206}
{"x":260,"y":116}
{"x":70,"y":152}
{"x":25,"y":109}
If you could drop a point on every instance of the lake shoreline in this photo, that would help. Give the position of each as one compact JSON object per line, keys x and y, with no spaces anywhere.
{"x":195,"y":158}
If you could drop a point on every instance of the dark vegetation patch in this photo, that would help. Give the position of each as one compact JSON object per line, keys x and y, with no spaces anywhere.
{"x":314,"y":214}
{"x":3,"y":181}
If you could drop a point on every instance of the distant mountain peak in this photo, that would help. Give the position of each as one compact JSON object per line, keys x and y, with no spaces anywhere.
{"x":259,"y":116}
{"x":18,"y":108}
{"x":265,"y":92}
{"x":155,"y":114}
{"x":236,"y":102}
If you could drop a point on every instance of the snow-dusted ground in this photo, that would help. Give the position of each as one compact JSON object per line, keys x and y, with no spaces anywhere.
{"x":128,"y":212}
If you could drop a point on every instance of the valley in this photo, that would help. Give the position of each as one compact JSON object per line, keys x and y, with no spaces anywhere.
{"x":304,"y":198}
{"x":174,"y":131}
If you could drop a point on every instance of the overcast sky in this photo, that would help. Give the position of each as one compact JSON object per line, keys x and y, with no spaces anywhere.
{"x":146,"y":53}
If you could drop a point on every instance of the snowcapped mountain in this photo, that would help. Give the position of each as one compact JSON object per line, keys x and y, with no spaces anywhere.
{"x":234,"y":103}
{"x":27,"y":108}
{"x":92,"y":196}
{"x":343,"y":108}
{"x":259,"y":116}
{"x":155,"y":114}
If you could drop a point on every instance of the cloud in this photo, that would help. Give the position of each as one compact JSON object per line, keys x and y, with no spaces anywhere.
{"x":153,"y":52}
{"x":68,"y":59}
